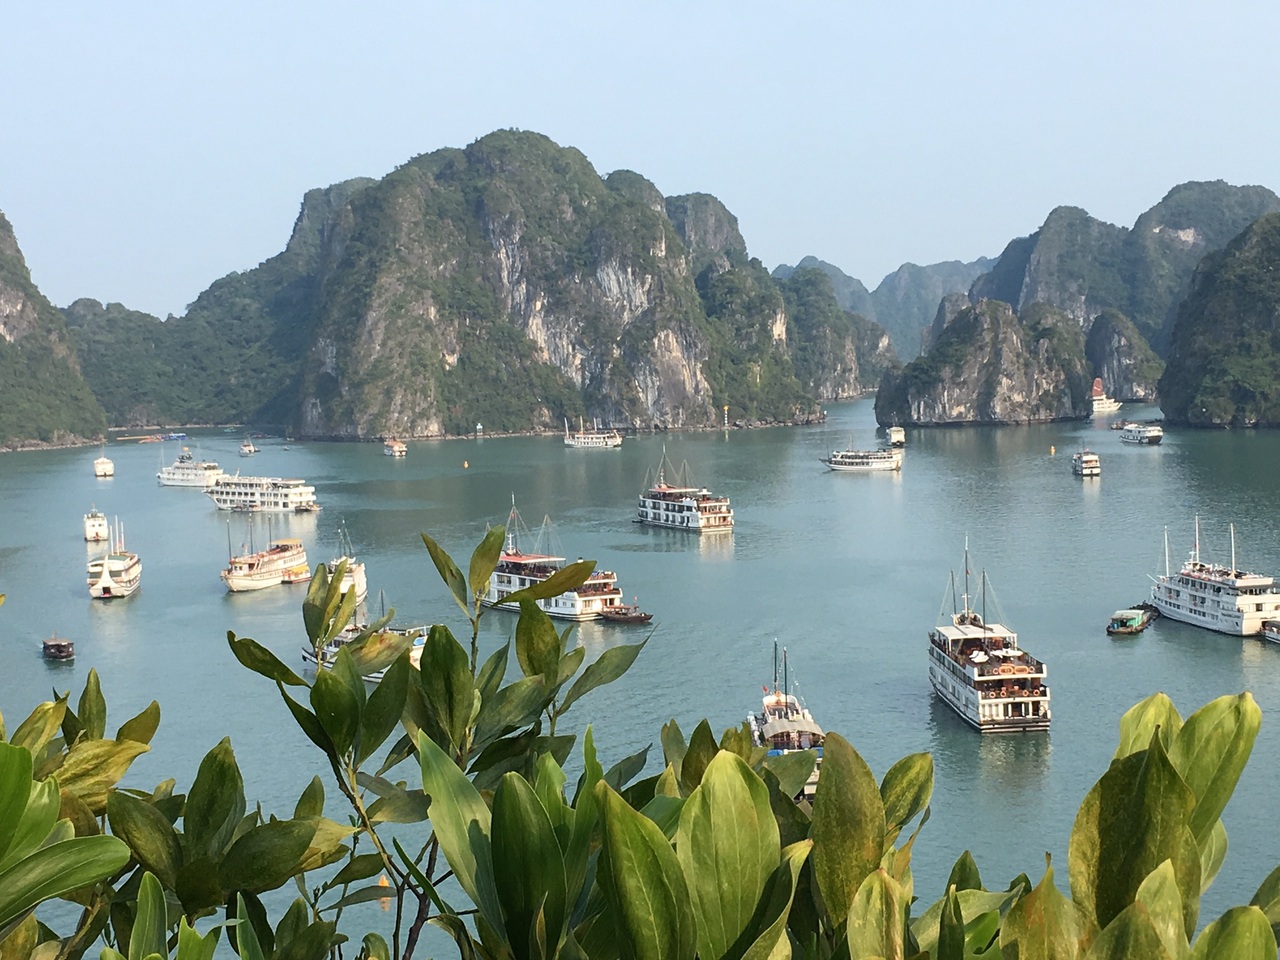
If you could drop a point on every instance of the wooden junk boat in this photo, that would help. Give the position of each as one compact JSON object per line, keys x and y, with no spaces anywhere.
{"x":59,"y":648}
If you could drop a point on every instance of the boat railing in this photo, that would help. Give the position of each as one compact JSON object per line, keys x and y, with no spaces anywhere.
{"x":1015,"y":693}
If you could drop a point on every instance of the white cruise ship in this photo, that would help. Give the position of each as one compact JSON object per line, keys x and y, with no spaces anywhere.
{"x":1213,"y":596}
{"x":682,"y":505}
{"x":103,"y":467}
{"x":95,"y":526}
{"x":187,"y":471}
{"x":1146,"y":434}
{"x":117,"y":573}
{"x":284,"y":561}
{"x":978,"y":670}
{"x":864,"y":461}
{"x":593,"y":439}
{"x":517,"y":570}
{"x":1102,"y":404}
{"x":1086,"y":463}
{"x":263,"y":494}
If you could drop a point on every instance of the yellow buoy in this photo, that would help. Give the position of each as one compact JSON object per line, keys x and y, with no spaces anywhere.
{"x":1053,"y":451}
{"x":385,"y":902}
{"x":465,"y":465}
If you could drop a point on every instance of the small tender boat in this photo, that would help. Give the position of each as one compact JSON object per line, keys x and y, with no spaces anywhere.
{"x":1271,"y":630}
{"x":1145,"y":434}
{"x":1102,"y":404}
{"x":395,"y":448}
{"x":593,"y":439}
{"x":625,"y":613}
{"x":897,"y":436}
{"x":117,"y":573}
{"x":58,"y":648}
{"x":864,"y":461}
{"x":247,"y":449}
{"x":1086,"y":463}
{"x":96,"y":528}
{"x":785,"y":725}
{"x":1133,"y":620}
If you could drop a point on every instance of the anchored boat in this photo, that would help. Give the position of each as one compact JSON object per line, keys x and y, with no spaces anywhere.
{"x":785,"y":725}
{"x":117,"y":573}
{"x":593,"y":439}
{"x":680,"y":504}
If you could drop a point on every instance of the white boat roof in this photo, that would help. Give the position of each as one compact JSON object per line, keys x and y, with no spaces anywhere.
{"x":529,"y":558}
{"x":968,"y":631}
{"x":791,"y":725}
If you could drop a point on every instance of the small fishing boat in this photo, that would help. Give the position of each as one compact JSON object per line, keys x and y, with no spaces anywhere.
{"x":625,"y":613}
{"x":58,"y":648}
{"x":1134,"y":620}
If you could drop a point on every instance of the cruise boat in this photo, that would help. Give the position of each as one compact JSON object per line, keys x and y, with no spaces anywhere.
{"x":681,"y":505}
{"x":979,"y":671}
{"x":897,"y":436}
{"x":864,"y":461}
{"x":1148,"y":434}
{"x":353,"y":578}
{"x":247,"y":449}
{"x":95,"y":526}
{"x":187,"y":471}
{"x":785,"y":725}
{"x":263,"y":494}
{"x":1213,"y":596}
{"x":58,"y":648}
{"x":116,"y":573}
{"x":103,"y":467}
{"x":593,"y":439}
{"x":1271,"y":630}
{"x":1086,"y":463}
{"x":395,"y":448}
{"x":351,"y":633}
{"x":517,"y":570}
{"x":1102,"y":404}
{"x":284,"y":561}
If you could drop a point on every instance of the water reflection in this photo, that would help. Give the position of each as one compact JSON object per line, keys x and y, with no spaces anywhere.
{"x":709,"y":546}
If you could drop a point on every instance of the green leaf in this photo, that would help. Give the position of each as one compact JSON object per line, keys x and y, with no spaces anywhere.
{"x":149,"y":834}
{"x":247,"y":943}
{"x":336,"y":707}
{"x":1130,"y":935}
{"x":484,"y":560}
{"x":950,"y":943}
{"x":92,"y":709}
{"x":620,"y":774}
{"x":1160,"y":897}
{"x":1043,"y":925}
{"x":93,"y":767}
{"x":449,"y":573}
{"x":643,"y":884}
{"x":727,"y":846}
{"x":378,"y":650}
{"x":792,"y":769}
{"x":15,"y":789}
{"x":307,"y":721}
{"x":528,"y":870}
{"x":462,"y":824}
{"x":1210,"y":752}
{"x":58,"y":869}
{"x":448,"y":689}
{"x":702,"y":748}
{"x":361,"y":867}
{"x":142,"y":727}
{"x":385,"y":707}
{"x":375,"y":947}
{"x":151,"y":922}
{"x":964,"y":874}
{"x":538,"y":643}
{"x":608,"y":667}
{"x":35,"y":732}
{"x":492,"y":671}
{"x":1268,"y":898}
{"x":562,"y":581}
{"x":906,"y":790}
{"x":192,"y":946}
{"x":770,"y":922}
{"x":878,"y":917}
{"x":267,"y":856}
{"x":1213,"y":851}
{"x":1242,"y":933}
{"x":1142,"y":720}
{"x":515,"y":705}
{"x":674,"y":746}
{"x":848,"y":826}
{"x":1133,"y":819}
{"x":262,"y":661}
{"x":311,"y":803}
{"x":31,"y":824}
{"x":312,"y":943}
{"x":215,"y":805}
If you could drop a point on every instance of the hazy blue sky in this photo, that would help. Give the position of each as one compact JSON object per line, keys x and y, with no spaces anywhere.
{"x":148,"y":148}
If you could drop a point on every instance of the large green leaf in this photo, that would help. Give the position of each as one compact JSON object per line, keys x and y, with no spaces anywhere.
{"x":385,"y":707}
{"x":1213,"y":851}
{"x":1141,"y":721}
{"x":336,"y":707}
{"x":1210,"y":752}
{"x":448,"y":689}
{"x":378,"y":650}
{"x":1044,"y":925}
{"x":702,"y":749}
{"x":1159,"y":896}
{"x":35,"y":732}
{"x":1129,"y":936}
{"x":1242,"y":933}
{"x":528,"y":871}
{"x":92,"y":767}
{"x":449,"y":573}
{"x":950,"y":934}
{"x":215,"y":805}
{"x":538,"y":643}
{"x":848,"y":826}
{"x":606,"y":668}
{"x":311,"y":803}
{"x":149,"y":834}
{"x":141,"y":727}
{"x":727,"y":846}
{"x":266,"y":856}
{"x":462,"y":825}
{"x":58,"y":869}
{"x":515,"y":705}
{"x":151,"y":922}
{"x":1267,"y":898}
{"x":15,"y":788}
{"x":192,"y":946}
{"x":484,"y":560}
{"x":92,"y":709}
{"x":32,"y":826}
{"x":262,"y":661}
{"x":792,"y":769}
{"x":562,"y":581}
{"x":973,"y":904}
{"x":643,"y":884}
{"x":769,"y":925}
{"x":878,"y":918}
{"x":1133,"y":819}
{"x":906,"y":790}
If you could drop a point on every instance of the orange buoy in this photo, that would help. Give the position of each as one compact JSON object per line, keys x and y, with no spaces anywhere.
{"x":465,"y":465}
{"x":384,"y":902}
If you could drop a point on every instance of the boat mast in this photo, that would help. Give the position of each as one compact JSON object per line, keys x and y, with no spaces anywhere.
{"x":954,"y":611}
{"x":1166,"y":553}
{"x":1233,"y":549}
{"x":1197,"y":538}
{"x":775,"y":664}
{"x":786,"y":683}
{"x":966,"y":574}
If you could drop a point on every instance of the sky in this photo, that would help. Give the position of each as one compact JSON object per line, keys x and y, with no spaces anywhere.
{"x":147,"y":149}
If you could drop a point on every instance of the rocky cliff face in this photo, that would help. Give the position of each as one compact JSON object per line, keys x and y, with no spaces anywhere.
{"x":1117,"y":353}
{"x":43,"y":397}
{"x":991,"y":366}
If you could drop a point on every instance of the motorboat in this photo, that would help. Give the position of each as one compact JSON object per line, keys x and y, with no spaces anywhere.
{"x":625,"y":613}
{"x":785,"y":725}
{"x":1086,"y":463}
{"x":1214,"y":596}
{"x":978,"y":670}
{"x":593,"y":439}
{"x":897,"y":436}
{"x":1271,"y":630}
{"x":58,"y":648}
{"x":682,"y":505}
{"x":103,"y":467}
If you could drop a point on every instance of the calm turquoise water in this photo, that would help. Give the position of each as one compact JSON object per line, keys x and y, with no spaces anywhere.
{"x":848,"y":571}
